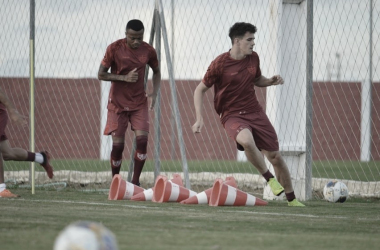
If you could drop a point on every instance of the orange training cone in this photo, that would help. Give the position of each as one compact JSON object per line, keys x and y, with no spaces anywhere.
{"x":166,"y":191}
{"x":113,"y":188}
{"x":177,"y":179}
{"x":204,"y":197}
{"x":122,"y":190}
{"x":147,"y":195}
{"x":225,"y":195}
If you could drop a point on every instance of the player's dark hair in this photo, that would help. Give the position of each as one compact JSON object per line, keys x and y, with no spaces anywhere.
{"x":239,"y":29}
{"x":135,"y":25}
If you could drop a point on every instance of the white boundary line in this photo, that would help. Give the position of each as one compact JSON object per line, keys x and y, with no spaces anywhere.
{"x":283,"y":214}
{"x":88,"y":203}
{"x":149,"y":207}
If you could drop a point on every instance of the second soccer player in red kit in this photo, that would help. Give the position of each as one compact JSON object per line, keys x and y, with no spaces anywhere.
{"x":233,"y":75}
{"x":127,"y":101}
{"x":9,"y":153}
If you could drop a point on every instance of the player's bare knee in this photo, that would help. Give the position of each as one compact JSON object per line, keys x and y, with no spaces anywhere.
{"x":274,"y":157}
{"x":248,"y":144}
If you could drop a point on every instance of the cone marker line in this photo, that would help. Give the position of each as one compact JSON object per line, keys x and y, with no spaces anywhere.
{"x":231,"y":196}
{"x":202,"y":198}
{"x":251,"y":200}
{"x":174,"y":191}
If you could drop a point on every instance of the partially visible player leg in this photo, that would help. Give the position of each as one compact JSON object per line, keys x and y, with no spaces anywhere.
{"x":2,"y":179}
{"x":4,"y":145}
{"x":116,"y":154}
{"x":13,"y":154}
{"x":4,"y":192}
{"x":280,"y":168}
{"x":19,"y":154}
{"x":140,"y":155}
{"x":283,"y":175}
{"x":45,"y":162}
{"x":245,"y":139}
{"x":140,"y":125}
{"x":117,"y":124}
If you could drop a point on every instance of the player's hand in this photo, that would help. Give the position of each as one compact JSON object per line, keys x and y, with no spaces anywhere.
{"x":152,"y":100}
{"x":277,"y":80}
{"x":197,"y":127}
{"x":132,"y":76}
{"x":17,"y":117}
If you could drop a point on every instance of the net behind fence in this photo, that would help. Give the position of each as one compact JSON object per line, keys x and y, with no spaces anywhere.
{"x":71,"y":38}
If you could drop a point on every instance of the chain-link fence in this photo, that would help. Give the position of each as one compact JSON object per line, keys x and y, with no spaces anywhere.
{"x":70,"y":41}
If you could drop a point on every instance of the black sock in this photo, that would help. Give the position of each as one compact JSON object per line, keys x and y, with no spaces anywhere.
{"x":115,"y":170}
{"x":290,"y":196}
{"x":267,"y":175}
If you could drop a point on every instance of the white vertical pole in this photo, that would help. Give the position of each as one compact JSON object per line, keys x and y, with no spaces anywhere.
{"x":241,"y":157}
{"x":366,"y":103}
{"x":272,"y":65}
{"x":309,"y":99}
{"x":172,"y":119}
{"x":32,"y":87}
{"x":173,"y":90}
{"x":273,"y":61}
{"x":105,"y":141}
{"x":365,"y":124}
{"x":286,"y":104}
{"x":157,"y":107}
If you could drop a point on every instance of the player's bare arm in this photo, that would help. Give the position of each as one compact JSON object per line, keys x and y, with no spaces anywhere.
{"x":262,"y":81}
{"x":4,"y":100}
{"x":156,"y":80}
{"x":198,"y":103}
{"x":104,"y":75}
{"x":12,"y":112}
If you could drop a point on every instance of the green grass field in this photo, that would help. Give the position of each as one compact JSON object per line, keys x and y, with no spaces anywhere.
{"x":348,"y":170}
{"x":33,"y":221}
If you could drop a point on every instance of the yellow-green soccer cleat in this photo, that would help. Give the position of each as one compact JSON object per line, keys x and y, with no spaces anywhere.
{"x":295,"y":203}
{"x":276,"y":187}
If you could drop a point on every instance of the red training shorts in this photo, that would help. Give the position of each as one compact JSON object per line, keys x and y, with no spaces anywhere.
{"x":258,"y":123}
{"x":117,"y":123}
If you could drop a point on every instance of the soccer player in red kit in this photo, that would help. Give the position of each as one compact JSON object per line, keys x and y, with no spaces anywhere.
{"x":15,"y":154}
{"x":127,"y":102}
{"x":234,"y":75}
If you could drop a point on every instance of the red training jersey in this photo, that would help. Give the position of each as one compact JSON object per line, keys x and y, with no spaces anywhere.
{"x":128,"y":96}
{"x":233,"y":82}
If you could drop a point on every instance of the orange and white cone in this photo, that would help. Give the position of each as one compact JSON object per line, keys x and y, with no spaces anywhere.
{"x":225,"y":195}
{"x":177,"y":179}
{"x":147,"y":195}
{"x":204,"y":197}
{"x":167,"y":191}
{"x":122,"y":190}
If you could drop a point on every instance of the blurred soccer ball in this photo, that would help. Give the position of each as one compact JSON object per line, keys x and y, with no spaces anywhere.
{"x":85,"y":235}
{"x":335,"y":191}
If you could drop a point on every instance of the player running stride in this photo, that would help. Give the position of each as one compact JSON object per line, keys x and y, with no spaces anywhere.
{"x":234,"y":75}
{"x":127,"y":102}
{"x":16,"y":154}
